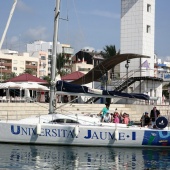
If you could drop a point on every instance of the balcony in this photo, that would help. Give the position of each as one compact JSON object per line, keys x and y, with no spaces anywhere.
{"x":6,"y":70}
{"x":7,"y":64}
{"x":28,"y":66}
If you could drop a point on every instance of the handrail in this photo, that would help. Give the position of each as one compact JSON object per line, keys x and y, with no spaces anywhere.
{"x":132,"y":73}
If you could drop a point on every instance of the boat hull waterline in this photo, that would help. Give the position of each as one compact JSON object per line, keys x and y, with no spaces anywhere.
{"x":83,"y":135}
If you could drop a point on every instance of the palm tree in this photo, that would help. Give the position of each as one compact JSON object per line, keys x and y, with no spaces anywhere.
{"x":109,"y":51}
{"x":61,"y":61}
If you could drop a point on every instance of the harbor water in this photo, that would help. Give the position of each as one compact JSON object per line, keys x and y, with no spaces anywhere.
{"x":30,"y":157}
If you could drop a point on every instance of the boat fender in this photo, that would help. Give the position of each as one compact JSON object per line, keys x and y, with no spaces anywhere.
{"x":76,"y":130}
{"x":38,"y":130}
{"x":116,"y":134}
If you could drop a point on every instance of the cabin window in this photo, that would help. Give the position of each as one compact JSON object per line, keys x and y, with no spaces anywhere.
{"x":58,"y":121}
{"x":63,"y":121}
{"x":71,"y":121}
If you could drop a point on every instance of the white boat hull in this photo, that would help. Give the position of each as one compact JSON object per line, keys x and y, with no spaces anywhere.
{"x":62,"y":134}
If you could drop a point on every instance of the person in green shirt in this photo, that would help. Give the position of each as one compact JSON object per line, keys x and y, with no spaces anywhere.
{"x":104,"y":111}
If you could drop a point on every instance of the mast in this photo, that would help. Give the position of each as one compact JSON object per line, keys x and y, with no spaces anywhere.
{"x":53,"y":59}
{"x":8,"y":22}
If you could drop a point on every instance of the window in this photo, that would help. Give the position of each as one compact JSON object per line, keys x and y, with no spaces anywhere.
{"x":148,"y":29}
{"x":148,"y":8}
{"x":15,"y":68}
{"x":42,"y":57}
{"x":21,"y":69}
{"x":131,"y":89}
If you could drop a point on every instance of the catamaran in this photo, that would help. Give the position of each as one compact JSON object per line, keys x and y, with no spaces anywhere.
{"x":74,"y":129}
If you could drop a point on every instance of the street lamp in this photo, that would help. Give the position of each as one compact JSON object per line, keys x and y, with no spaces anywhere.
{"x":127,"y":66}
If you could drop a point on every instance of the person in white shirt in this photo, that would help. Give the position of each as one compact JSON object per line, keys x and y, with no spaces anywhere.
{"x":107,"y":118}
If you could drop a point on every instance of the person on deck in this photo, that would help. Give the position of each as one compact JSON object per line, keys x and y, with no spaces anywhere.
{"x":104,"y":111}
{"x":145,"y":120}
{"x":126,"y":118}
{"x":154,"y":114}
{"x":107,"y":118}
{"x":116,"y":117}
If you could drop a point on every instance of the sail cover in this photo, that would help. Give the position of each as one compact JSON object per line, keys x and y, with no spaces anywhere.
{"x":66,"y":87}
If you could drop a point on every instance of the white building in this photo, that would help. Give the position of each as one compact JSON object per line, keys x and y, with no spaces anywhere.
{"x":137,"y":36}
{"x":137,"y":32}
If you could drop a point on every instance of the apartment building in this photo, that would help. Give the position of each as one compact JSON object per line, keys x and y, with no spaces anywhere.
{"x":43,"y":62}
{"x":44,"y":46}
{"x":13,"y":62}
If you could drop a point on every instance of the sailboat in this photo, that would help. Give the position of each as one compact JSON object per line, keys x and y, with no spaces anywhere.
{"x":74,"y":129}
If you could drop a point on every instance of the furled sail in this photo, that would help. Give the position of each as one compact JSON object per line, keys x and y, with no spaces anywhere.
{"x":66,"y":87}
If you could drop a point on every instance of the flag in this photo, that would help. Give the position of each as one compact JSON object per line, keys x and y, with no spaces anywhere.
{"x":145,"y":64}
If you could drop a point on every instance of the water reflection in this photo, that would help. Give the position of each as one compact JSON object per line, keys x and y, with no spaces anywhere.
{"x":77,"y":158}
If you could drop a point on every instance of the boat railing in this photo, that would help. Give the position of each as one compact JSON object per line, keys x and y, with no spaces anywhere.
{"x":64,"y":104}
{"x":17,"y":115}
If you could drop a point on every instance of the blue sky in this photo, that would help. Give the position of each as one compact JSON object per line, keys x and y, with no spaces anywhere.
{"x":94,"y":23}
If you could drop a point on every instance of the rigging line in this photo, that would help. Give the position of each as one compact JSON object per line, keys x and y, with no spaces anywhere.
{"x":102,"y":69}
{"x":67,"y":24}
{"x":81,"y":31}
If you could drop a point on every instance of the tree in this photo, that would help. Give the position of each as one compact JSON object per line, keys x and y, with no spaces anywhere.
{"x":60,"y":63}
{"x":12,"y":75}
{"x":30,"y":71}
{"x":7,"y":76}
{"x":109,"y":51}
{"x":48,"y":79}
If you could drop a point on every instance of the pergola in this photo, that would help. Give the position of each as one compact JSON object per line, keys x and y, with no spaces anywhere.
{"x":101,"y":69}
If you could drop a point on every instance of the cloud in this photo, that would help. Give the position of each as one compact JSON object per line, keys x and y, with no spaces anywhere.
{"x":23,"y":7}
{"x":167,"y":58}
{"x":14,"y":39}
{"x":37,"y":33}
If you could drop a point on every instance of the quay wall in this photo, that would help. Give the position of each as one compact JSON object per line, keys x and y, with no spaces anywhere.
{"x":16,"y":111}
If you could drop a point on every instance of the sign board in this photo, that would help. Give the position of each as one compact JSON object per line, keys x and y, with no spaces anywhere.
{"x":166,"y":76}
